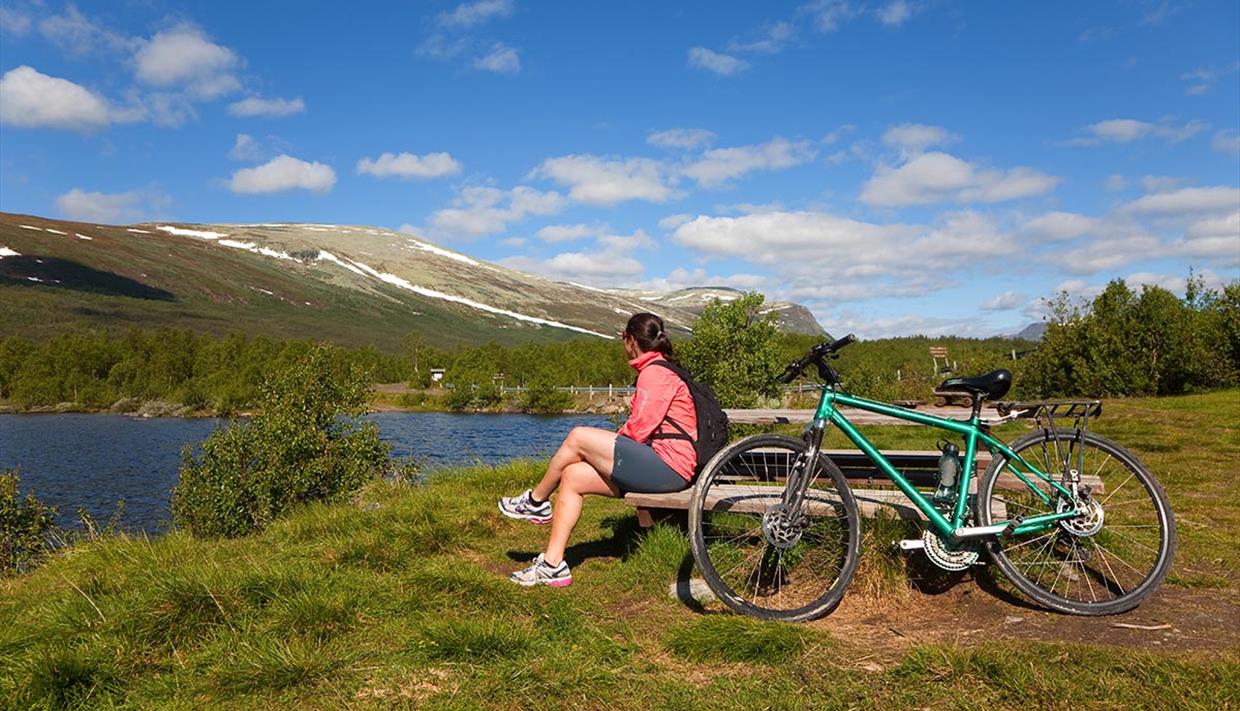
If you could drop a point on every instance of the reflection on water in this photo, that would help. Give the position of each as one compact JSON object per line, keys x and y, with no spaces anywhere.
{"x":92,"y":461}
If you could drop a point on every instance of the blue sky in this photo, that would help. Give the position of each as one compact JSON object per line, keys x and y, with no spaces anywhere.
{"x":900,"y":166}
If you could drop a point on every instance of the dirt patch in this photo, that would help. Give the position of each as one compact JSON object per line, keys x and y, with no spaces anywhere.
{"x":1173,"y":619}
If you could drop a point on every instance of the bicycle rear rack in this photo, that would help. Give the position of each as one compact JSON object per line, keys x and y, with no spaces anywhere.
{"x":1044,"y":413}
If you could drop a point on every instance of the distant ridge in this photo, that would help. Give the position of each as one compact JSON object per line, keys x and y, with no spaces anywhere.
{"x":354,"y":285}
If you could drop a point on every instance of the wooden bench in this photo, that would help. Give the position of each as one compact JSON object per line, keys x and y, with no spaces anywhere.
{"x":919,"y":467}
{"x":748,"y":498}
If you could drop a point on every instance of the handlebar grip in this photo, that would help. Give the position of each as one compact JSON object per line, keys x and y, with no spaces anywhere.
{"x":845,"y":341}
{"x":793,"y":371}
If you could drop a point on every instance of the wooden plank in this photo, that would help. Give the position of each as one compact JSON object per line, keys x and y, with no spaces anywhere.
{"x":857,"y":417}
{"x":750,"y":498}
{"x":920,"y":467}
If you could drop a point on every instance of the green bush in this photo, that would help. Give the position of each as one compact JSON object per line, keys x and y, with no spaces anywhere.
{"x":1151,"y":343}
{"x":541,"y":396}
{"x":305,"y":444}
{"x":735,"y":351}
{"x":25,"y":526}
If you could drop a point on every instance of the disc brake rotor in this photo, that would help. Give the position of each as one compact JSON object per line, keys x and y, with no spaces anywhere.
{"x":1088,"y":523}
{"x":782,"y":528}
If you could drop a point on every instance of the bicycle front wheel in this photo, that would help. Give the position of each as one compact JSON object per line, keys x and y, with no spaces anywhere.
{"x":1105,"y":561}
{"x":761,"y":554}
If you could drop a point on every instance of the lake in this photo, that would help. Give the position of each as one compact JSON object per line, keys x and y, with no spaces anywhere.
{"x":92,"y":461}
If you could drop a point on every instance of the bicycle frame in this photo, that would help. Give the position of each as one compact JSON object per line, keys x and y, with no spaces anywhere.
{"x":954,"y":528}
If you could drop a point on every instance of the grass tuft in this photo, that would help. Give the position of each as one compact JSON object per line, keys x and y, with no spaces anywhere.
{"x":68,"y":678}
{"x":716,"y":638}
{"x":475,"y":640}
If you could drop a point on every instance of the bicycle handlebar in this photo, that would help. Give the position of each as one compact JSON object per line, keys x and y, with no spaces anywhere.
{"x":794,"y":369}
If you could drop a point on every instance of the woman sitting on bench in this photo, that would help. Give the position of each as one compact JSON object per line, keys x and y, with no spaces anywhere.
{"x":640,"y":457}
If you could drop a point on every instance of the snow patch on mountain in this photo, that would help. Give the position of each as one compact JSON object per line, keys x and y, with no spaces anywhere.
{"x":183,"y":232}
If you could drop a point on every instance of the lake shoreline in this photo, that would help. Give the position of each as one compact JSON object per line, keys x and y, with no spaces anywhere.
{"x":162,"y":408}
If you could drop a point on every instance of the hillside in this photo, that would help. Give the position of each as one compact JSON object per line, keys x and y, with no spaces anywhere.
{"x":349,"y":284}
{"x":793,"y":318}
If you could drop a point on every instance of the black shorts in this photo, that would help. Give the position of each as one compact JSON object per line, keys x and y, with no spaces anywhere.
{"x":639,"y":469}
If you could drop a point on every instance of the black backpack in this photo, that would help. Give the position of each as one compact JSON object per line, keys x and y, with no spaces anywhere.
{"x":712,"y":421}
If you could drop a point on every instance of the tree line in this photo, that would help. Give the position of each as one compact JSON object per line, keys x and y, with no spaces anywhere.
{"x":1121,"y":343}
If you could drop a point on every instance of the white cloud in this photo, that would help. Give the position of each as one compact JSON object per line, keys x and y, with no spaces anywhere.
{"x":1160,"y":183}
{"x":1057,"y":226}
{"x":501,"y":59}
{"x":769,"y":39}
{"x":1109,"y":253}
{"x":608,"y":181}
{"x":1129,"y":130}
{"x":895,"y":13}
{"x":185,"y":56}
{"x":14,"y":21}
{"x":671,"y":222}
{"x":110,"y":208}
{"x":1005,"y":302}
{"x":914,"y":138}
{"x":30,"y":99}
{"x":724,"y":65}
{"x":1211,"y":238}
{"x":246,"y":148}
{"x":719,"y":165}
{"x":1202,"y":79}
{"x":513,"y":241}
{"x":1186,"y":201}
{"x":408,"y":165}
{"x":481,"y":210}
{"x":1115,"y":183}
{"x":828,"y":15}
{"x":681,"y":278}
{"x":283,"y":173}
{"x":610,"y":262}
{"x":567,"y":233}
{"x":273,"y":108}
{"x":75,"y":33}
{"x":685,"y":138}
{"x":1226,"y":141}
{"x":938,"y":177}
{"x":475,"y":13}
{"x":805,"y":250}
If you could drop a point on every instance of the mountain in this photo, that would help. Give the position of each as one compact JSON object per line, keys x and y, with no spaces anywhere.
{"x":1032,"y":332}
{"x":349,"y":284}
{"x":793,"y":318}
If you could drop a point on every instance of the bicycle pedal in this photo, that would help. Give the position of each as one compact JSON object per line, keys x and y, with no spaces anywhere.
{"x":911,"y":544}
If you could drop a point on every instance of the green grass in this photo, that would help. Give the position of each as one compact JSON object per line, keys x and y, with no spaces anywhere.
{"x":400,"y":600}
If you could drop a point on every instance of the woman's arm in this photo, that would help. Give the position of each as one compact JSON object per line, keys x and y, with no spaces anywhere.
{"x":656,"y":386}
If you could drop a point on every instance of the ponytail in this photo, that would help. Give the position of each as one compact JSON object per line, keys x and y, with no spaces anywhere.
{"x":647,"y":330}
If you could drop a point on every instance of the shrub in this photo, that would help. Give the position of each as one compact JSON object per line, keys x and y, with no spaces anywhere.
{"x":25,"y":526}
{"x":734,"y":351}
{"x":541,"y":397}
{"x":306,"y":444}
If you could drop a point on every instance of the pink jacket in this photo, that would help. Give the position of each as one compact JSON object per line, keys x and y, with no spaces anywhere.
{"x":660,"y":393}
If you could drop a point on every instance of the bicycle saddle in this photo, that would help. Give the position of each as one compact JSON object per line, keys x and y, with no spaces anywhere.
{"x":994,"y":384}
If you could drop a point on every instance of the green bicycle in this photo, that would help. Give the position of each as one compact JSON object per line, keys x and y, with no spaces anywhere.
{"x":1073,"y":520}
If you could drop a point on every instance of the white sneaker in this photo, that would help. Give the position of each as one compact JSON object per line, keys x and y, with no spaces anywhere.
{"x":541,"y":572}
{"x":522,"y":506}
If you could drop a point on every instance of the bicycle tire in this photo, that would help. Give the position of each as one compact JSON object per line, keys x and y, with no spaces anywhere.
{"x":794,"y":581}
{"x":1091,"y":572}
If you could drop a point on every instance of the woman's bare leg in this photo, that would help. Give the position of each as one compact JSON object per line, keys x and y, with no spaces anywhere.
{"x":578,"y":479}
{"x":590,"y":445}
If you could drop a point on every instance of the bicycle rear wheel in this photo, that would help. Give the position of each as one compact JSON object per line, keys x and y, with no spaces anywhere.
{"x":1103,"y":562}
{"x":760,"y":556}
